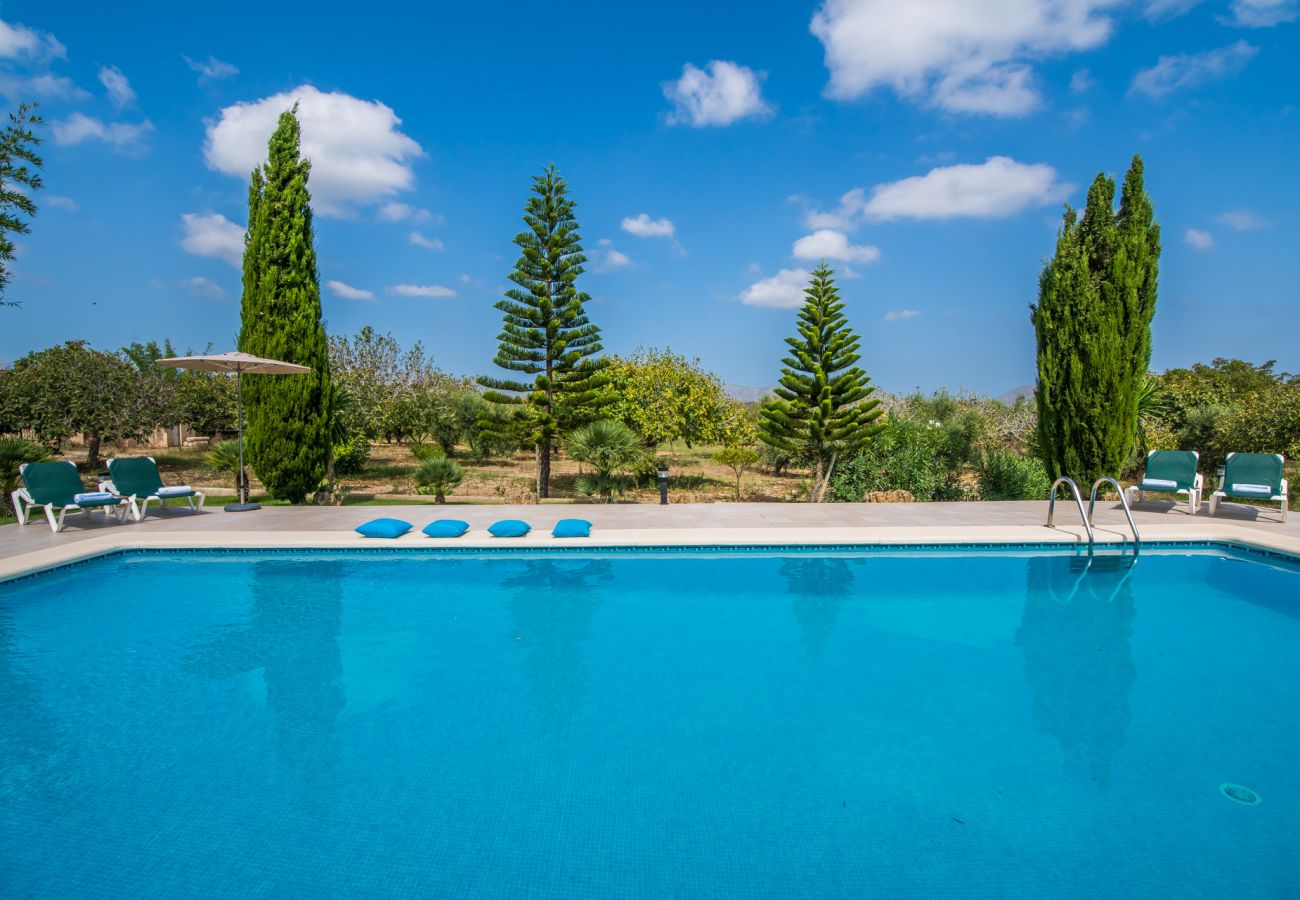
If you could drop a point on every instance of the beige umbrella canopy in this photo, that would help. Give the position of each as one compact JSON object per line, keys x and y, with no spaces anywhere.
{"x":239,"y":363}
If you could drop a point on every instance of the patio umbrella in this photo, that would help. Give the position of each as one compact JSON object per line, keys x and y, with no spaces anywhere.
{"x":239,"y":363}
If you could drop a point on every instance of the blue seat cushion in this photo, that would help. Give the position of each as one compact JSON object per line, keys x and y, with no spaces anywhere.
{"x":384,"y":528}
{"x":509,"y":528}
{"x":571,"y":528}
{"x":446,"y":528}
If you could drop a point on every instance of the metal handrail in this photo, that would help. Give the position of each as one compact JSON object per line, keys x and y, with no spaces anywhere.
{"x":1092,"y":502}
{"x":1078,"y":501}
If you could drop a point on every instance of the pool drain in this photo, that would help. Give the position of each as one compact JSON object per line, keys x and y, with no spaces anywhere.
{"x":1239,"y":794}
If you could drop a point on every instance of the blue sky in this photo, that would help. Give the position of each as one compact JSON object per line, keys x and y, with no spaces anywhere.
{"x":924,"y":148}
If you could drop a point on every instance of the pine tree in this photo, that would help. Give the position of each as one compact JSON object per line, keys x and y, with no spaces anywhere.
{"x":823,"y":407}
{"x":20,"y":177}
{"x":546,"y":334}
{"x":288,"y":416}
{"x":1092,"y":322}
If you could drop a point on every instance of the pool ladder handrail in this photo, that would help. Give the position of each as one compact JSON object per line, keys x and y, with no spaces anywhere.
{"x":1123,"y":502}
{"x":1078,"y":502}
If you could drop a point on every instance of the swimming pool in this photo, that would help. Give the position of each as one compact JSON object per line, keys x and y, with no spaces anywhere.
{"x":782,"y":723}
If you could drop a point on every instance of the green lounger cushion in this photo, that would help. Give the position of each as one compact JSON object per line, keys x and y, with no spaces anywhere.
{"x":1252,"y":475}
{"x":1170,"y":470}
{"x":135,"y":476}
{"x":446,"y":528}
{"x":384,"y":528}
{"x":509,"y":528}
{"x":56,"y":482}
{"x":569,"y":528}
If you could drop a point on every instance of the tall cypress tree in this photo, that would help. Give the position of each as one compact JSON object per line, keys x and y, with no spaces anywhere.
{"x":289,"y":416}
{"x":1092,"y":322}
{"x":823,"y":406}
{"x":546,"y":334}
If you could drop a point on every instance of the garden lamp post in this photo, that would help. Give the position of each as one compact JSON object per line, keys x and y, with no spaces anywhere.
{"x":663,"y":484}
{"x":239,"y":363}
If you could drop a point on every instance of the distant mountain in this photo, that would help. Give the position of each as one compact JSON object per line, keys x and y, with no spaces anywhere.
{"x":746,"y":393}
{"x":1011,"y":396}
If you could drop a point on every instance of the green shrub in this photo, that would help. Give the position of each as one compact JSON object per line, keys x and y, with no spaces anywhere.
{"x":426,"y":452}
{"x":438,"y":476}
{"x":908,"y":456}
{"x":1009,"y":476}
{"x":351,"y":456}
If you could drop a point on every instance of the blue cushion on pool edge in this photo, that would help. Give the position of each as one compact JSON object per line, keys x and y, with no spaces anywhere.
{"x":383,"y":528}
{"x":568,"y":528}
{"x":509,"y":528}
{"x":446,"y":528}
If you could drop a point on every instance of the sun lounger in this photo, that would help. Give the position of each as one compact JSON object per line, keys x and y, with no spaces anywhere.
{"x":1171,"y":472}
{"x":1252,"y":476}
{"x":137,"y":479}
{"x":57,"y":486}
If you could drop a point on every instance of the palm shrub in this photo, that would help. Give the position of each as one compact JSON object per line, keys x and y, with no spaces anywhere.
{"x":223,"y":458}
{"x":612,"y":450}
{"x":438,"y":476}
{"x":14,"y":452}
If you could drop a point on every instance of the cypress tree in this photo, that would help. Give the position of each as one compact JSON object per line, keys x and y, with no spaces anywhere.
{"x":823,"y":406}
{"x":288,"y":416}
{"x":1092,"y":324}
{"x":546,"y":334}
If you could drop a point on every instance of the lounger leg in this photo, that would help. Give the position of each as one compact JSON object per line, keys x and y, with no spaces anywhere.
{"x":199,"y":495}
{"x":56,"y":524}
{"x":17,"y":498}
{"x":144,"y":509}
{"x":1214,"y":503}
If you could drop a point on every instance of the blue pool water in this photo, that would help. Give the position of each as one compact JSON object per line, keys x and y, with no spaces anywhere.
{"x":651,"y":724}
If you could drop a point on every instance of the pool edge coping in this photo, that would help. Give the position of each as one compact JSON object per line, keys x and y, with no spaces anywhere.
{"x":37,"y":561}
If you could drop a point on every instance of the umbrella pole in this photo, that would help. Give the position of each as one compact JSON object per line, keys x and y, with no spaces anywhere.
{"x":239,"y":405}
{"x":241,"y":481}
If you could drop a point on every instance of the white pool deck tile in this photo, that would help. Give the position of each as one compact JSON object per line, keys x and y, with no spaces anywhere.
{"x":34,"y":547}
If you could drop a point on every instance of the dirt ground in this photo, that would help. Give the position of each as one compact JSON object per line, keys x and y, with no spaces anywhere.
{"x":390,"y":474}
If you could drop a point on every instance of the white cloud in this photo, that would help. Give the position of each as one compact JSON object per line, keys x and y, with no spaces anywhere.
{"x":1263,"y":13}
{"x":120,"y":93}
{"x":1082,"y":81}
{"x":726,"y":93}
{"x":1187,"y":70}
{"x":608,"y":259}
{"x":830,"y":244}
{"x":465,"y":278}
{"x":59,"y":202}
{"x":78,"y":127}
{"x":644,"y":226}
{"x":842,"y":216}
{"x":211,"y":69}
{"x":213,"y":235}
{"x":348,"y":292}
{"x":998,"y":187}
{"x":960,"y":55}
{"x":46,"y":86}
{"x":427,"y":243}
{"x":1201,"y":240}
{"x":357,"y":153}
{"x":1241,"y":220}
{"x":21,"y":42}
{"x":898,"y":315}
{"x":400,"y":212}
{"x":422,"y":290}
{"x":206,"y":287}
{"x":784,"y":290}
